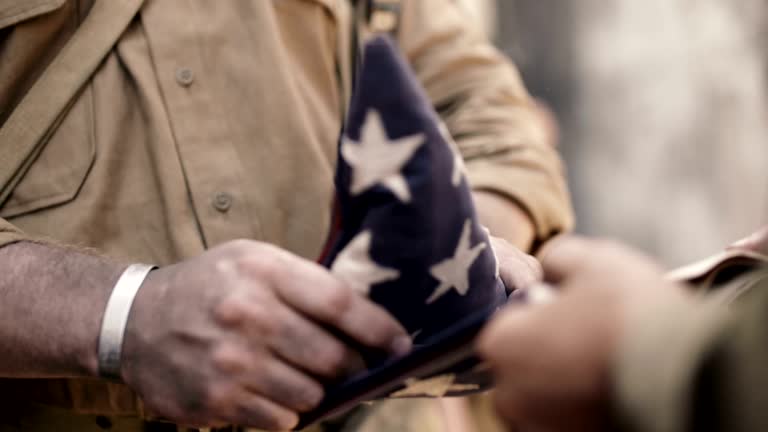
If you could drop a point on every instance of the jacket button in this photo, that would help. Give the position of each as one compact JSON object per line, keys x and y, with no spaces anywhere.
{"x":184,"y":76}
{"x":222,"y":201}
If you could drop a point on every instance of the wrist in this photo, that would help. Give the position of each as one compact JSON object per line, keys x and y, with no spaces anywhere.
{"x":101,"y":280}
{"x":505,"y":219}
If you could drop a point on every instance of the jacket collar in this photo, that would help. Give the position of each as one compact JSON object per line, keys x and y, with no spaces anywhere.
{"x":15,"y":11}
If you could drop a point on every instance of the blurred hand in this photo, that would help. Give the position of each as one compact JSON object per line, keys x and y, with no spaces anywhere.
{"x":240,"y":335}
{"x":516,"y":268}
{"x":552,"y":361}
{"x":756,"y":242}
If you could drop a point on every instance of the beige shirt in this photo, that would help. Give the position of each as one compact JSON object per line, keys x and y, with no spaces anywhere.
{"x":215,"y":120}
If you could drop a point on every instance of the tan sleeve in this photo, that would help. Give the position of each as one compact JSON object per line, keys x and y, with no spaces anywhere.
{"x":662,"y":348}
{"x":690,"y":365}
{"x":480,"y":96}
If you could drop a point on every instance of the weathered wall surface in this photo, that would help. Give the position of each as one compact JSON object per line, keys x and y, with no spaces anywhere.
{"x":663,"y":104}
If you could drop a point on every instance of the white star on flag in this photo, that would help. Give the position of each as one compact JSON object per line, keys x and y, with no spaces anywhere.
{"x":355,"y":266}
{"x":454,"y":272}
{"x":376,"y":159}
{"x":437,"y":386}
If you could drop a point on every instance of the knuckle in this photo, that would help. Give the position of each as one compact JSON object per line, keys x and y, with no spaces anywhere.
{"x":248,"y":313}
{"x":270,"y":328}
{"x":331,"y":359}
{"x":229,"y":311}
{"x":311,"y":395}
{"x":229,"y":359}
{"x":304,"y":395}
{"x":380,"y":332}
{"x":262,"y":267}
{"x":261,"y":320}
{"x":295,"y":390}
{"x":338,"y":301}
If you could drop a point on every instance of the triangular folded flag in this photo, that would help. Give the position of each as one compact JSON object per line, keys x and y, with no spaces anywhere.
{"x":406,"y":235}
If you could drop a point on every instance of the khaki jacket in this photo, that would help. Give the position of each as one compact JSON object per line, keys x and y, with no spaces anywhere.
{"x":698,"y":365}
{"x":207,"y":121}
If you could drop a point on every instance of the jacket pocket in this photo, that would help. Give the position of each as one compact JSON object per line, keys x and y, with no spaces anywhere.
{"x":59,"y":171}
{"x":295,"y":8}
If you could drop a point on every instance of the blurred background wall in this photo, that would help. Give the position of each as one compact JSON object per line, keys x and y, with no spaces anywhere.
{"x":662,"y":106}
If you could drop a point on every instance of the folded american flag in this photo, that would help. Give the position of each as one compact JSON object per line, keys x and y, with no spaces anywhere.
{"x":405,"y":230}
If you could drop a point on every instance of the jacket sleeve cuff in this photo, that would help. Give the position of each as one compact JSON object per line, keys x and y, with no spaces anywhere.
{"x":545,"y":200}
{"x":663,"y":345}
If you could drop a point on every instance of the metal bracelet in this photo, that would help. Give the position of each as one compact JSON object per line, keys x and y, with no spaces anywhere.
{"x":116,"y":318}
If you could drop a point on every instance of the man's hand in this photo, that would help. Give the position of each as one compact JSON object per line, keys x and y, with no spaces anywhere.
{"x":517,"y":269}
{"x":511,"y":232}
{"x":244,"y":334}
{"x":552,"y":361}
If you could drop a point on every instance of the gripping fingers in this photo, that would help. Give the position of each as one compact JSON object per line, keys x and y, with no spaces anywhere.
{"x":295,"y":339}
{"x":285,"y":385}
{"x":313,"y":291}
{"x":256,"y":411}
{"x":310,"y":347}
{"x":261,"y":372}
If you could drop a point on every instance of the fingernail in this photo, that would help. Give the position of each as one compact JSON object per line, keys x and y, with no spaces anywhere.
{"x":402,"y":345}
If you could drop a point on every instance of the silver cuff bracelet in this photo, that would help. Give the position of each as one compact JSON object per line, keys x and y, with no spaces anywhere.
{"x":116,"y":318}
